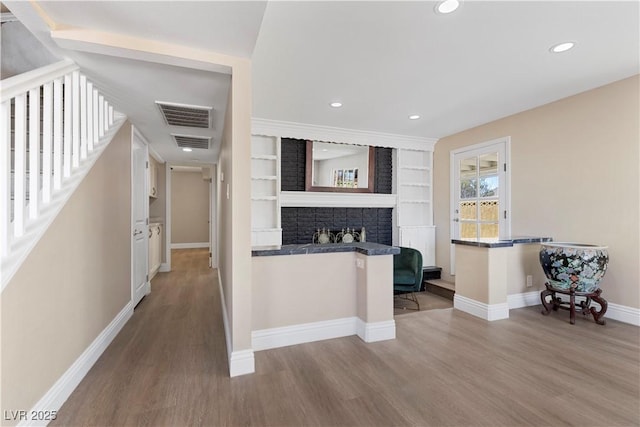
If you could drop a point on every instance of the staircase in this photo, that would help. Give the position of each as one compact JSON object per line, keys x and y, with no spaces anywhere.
{"x":54,"y":124}
{"x":431,"y":282}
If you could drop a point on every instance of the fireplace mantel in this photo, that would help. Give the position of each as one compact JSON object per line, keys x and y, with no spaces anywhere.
{"x":336,"y":200}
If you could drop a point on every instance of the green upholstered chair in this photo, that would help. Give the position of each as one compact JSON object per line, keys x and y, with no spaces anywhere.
{"x":407,"y":274}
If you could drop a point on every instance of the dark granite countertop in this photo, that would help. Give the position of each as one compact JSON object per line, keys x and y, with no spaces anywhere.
{"x":366,"y":248}
{"x":500,"y":243}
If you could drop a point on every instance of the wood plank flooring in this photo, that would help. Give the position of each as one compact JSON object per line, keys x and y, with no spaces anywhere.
{"x":168,"y":366}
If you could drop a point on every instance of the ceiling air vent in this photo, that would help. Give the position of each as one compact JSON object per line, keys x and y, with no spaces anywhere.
{"x":189,"y":141}
{"x":185,"y":115}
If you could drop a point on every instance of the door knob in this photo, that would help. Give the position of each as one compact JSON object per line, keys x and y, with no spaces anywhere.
{"x":456,"y":220}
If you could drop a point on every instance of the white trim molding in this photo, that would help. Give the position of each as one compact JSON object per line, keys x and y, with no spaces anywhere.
{"x":333,"y":134}
{"x":195,"y":245}
{"x":240,"y":362}
{"x":265,"y":339}
{"x":525,"y":299}
{"x":376,"y":331}
{"x":482,"y":310}
{"x":328,"y":200}
{"x":622,"y":313}
{"x":67,"y":383}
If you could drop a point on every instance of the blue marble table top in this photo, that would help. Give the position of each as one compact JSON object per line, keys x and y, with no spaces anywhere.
{"x":366,"y":248}
{"x":500,"y":243}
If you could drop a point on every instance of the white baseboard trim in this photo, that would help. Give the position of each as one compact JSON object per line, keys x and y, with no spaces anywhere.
{"x":488,"y":312}
{"x":240,"y":362}
{"x":376,"y":331}
{"x":67,"y":383}
{"x":618,"y":312}
{"x":195,"y":245}
{"x":525,"y":299}
{"x":164,"y":268}
{"x":622,"y":313}
{"x":264,"y":339}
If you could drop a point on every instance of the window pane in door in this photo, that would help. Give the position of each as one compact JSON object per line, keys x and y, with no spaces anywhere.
{"x":489,"y":210}
{"x":468,"y":230}
{"x":489,"y":230}
{"x":468,"y":178}
{"x":488,"y":173}
{"x":468,"y":210}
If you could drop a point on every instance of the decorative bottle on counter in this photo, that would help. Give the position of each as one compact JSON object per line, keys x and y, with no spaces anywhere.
{"x":363,"y":235}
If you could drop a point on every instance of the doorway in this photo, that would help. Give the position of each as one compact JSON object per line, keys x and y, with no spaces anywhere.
{"x":480,"y":180}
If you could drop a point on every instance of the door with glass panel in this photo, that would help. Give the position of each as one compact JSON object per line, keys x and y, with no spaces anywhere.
{"x":480,"y":194}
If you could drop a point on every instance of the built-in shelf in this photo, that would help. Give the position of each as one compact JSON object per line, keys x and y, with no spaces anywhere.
{"x":416,"y":168}
{"x":415,"y":184}
{"x":265,"y":187}
{"x":337,"y":200}
{"x":416,"y":201}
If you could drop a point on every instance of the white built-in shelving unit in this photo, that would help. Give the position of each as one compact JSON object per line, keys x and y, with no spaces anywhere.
{"x":265,"y":188}
{"x":415,"y":202}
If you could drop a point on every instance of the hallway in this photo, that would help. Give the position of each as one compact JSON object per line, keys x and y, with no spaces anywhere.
{"x":168,"y":366}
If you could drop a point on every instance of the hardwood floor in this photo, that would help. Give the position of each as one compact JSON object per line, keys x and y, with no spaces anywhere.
{"x":168,"y":366}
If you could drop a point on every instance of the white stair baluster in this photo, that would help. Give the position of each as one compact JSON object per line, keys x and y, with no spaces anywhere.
{"x":83,"y":117}
{"x":90,"y":116}
{"x":75,"y":93}
{"x":96,"y":122}
{"x":20,"y":164}
{"x":101,"y":115}
{"x":57,"y":134}
{"x":34,"y":151}
{"x":5,"y":177}
{"x":47,"y":122}
{"x":67,"y":126}
{"x":110,"y":115}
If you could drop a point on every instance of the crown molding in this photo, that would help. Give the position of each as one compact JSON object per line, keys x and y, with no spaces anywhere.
{"x":285,"y":129}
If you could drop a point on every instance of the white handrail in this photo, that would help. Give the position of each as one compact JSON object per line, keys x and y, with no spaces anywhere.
{"x":21,"y":83}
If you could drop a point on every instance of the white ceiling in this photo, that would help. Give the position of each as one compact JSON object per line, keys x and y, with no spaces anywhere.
{"x":383,"y":60}
{"x":387,"y":60}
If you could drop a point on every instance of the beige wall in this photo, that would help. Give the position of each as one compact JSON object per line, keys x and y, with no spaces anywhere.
{"x":297,"y":289}
{"x":574,"y":177}
{"x":234,"y":212}
{"x":73,"y":283}
{"x":189,"y":207}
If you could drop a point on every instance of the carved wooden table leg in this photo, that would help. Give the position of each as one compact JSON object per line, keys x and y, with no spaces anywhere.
{"x":572,"y":306}
{"x":547,"y":305}
{"x":597,"y":315}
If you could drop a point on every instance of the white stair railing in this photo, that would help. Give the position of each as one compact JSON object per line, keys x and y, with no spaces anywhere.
{"x":53,"y":125}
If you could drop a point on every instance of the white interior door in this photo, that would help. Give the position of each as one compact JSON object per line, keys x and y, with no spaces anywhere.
{"x":139,"y":221}
{"x":480,"y":193}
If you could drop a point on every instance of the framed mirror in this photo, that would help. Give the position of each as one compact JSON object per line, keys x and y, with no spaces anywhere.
{"x":341,"y":168}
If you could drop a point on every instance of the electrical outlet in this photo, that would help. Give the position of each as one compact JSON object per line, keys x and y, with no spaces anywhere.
{"x":529,"y":281}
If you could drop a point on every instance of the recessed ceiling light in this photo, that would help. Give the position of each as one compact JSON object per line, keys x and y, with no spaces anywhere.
{"x":414,"y":117}
{"x":562,"y":47}
{"x":187,"y":149}
{"x":447,"y":6}
{"x":336,"y":104}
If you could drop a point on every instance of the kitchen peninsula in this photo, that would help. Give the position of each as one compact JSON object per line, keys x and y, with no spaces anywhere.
{"x":310,"y":292}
